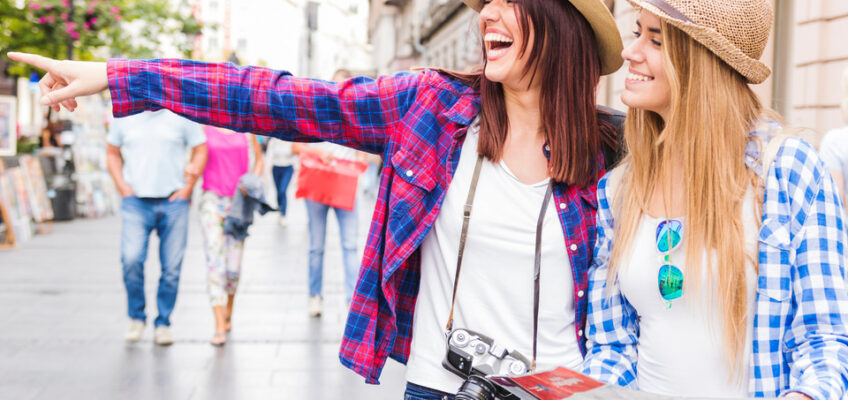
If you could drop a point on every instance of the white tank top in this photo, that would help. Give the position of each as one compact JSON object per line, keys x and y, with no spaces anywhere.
{"x":495,"y":296}
{"x":681,"y":349}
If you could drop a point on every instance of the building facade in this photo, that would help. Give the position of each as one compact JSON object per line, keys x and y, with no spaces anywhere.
{"x":307,"y":38}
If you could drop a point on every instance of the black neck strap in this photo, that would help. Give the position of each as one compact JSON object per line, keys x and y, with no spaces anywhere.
{"x":466,"y":217}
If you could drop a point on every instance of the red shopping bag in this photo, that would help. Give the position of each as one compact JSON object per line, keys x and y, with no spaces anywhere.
{"x":333,"y":184}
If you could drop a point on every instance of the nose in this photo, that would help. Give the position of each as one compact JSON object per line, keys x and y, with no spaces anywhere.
{"x":490,"y":11}
{"x":633,"y":52}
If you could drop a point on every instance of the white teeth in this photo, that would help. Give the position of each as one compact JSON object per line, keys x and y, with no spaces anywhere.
{"x":496,"y":52}
{"x":637,"y":77}
{"x":496,"y":37}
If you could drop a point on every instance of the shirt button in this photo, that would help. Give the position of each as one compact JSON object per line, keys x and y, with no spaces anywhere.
{"x":573,"y":247}
{"x":580,"y":293}
{"x":580,"y":333}
{"x":409,"y":172}
{"x":562,"y":206}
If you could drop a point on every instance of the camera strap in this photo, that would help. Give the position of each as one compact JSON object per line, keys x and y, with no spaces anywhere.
{"x":466,"y":217}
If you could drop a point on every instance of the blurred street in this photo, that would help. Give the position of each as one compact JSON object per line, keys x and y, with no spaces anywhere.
{"x":64,"y":316}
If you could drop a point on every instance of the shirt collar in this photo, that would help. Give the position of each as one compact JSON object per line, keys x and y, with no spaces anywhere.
{"x":764,"y":130}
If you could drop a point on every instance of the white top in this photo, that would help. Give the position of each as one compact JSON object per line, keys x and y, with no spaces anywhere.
{"x":681,"y":349}
{"x":279,"y":153}
{"x":495,"y":294}
{"x":834,"y":152}
{"x":337,"y":150}
{"x":155,"y":147}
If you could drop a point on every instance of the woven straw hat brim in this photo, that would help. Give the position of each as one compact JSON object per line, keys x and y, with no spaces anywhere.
{"x":753,"y":70}
{"x":603,"y":24}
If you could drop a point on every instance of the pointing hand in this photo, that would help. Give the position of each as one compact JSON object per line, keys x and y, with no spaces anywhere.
{"x":65,"y":80}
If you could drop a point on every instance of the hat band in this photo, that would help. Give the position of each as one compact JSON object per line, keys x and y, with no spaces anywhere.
{"x":668,"y":9}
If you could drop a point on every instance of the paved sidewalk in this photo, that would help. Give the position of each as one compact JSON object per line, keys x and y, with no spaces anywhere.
{"x":64,"y":315}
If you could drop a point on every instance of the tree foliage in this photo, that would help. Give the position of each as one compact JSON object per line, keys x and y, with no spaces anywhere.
{"x":94,"y":29}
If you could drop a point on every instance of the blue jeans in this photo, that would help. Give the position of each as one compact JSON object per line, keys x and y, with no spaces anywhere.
{"x":317,"y":213}
{"x":416,"y":392}
{"x":139,"y":217}
{"x":282,"y":177}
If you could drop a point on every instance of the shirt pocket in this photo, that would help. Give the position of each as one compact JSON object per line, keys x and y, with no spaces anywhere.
{"x":411,"y":186}
{"x":776,"y":256}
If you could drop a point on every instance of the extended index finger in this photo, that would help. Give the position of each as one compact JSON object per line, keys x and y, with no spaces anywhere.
{"x":32,"y":59}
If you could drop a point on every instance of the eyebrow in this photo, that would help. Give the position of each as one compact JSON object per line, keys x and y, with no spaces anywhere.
{"x":652,"y":30}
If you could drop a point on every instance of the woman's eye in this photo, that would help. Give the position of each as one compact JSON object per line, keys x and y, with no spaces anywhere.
{"x":656,"y":42}
{"x":636,"y":34}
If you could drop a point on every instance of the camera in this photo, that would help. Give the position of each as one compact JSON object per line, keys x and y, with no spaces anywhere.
{"x":474,"y":356}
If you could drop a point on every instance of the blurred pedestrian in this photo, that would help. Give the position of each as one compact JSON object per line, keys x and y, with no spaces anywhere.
{"x":317,"y":215}
{"x":229,"y":160}
{"x":834,"y":145}
{"x":719,"y":267}
{"x":282,"y":160}
{"x":146,"y":156}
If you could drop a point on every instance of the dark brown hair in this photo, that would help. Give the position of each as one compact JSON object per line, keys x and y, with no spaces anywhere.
{"x":564,"y":58}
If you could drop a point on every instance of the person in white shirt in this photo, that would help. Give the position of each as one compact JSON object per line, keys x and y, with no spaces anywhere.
{"x":280,"y":156}
{"x":834,"y":145}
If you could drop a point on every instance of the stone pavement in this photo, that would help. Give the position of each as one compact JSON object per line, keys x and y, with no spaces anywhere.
{"x":63,"y":311}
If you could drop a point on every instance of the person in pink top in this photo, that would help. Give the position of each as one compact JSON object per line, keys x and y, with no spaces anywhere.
{"x":229,"y":160}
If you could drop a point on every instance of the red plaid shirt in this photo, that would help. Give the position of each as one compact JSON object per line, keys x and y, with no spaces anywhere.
{"x":416,"y":121}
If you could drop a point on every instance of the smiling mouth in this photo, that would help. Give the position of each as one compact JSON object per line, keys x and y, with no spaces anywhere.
{"x":497,"y":43}
{"x":639,"y":77}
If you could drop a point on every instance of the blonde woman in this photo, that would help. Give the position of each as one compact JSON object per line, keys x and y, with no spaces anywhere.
{"x":714,"y":275}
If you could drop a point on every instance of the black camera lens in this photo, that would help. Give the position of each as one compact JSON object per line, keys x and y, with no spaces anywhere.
{"x":476,"y":388}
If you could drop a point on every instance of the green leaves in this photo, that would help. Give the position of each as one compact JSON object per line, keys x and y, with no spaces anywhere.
{"x":95,"y":29}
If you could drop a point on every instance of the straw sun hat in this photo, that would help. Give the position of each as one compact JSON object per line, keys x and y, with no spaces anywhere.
{"x":602,"y":23}
{"x":734,"y":30}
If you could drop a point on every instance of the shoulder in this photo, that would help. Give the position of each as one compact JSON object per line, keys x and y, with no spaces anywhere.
{"x":611,"y":115}
{"x":836,"y":136}
{"x":612,"y":180}
{"x":607,"y":186}
{"x":798,"y":163}
{"x":447,"y":83}
{"x":835,"y":141}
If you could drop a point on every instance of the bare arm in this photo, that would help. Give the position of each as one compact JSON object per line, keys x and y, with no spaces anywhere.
{"x":299,"y":148}
{"x":259,"y":163}
{"x":195,"y":166}
{"x":192,"y":172}
{"x":115,"y":165}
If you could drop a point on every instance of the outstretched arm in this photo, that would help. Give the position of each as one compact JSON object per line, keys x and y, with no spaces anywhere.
{"x":360,"y":113}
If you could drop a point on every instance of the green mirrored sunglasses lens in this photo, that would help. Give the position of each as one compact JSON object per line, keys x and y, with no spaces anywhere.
{"x":670,"y":280}
{"x":669,"y":234}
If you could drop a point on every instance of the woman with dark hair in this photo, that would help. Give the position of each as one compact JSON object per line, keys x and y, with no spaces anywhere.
{"x":524,"y":130}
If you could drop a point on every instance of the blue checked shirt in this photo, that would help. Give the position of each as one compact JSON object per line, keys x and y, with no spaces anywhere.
{"x":800,"y":341}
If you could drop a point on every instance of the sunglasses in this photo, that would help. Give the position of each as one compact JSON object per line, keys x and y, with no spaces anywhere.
{"x":670,"y":278}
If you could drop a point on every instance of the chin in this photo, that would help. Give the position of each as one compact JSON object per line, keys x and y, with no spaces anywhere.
{"x":632,"y":100}
{"x":493,"y":74}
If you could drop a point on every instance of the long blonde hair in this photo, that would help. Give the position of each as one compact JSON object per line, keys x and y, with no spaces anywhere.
{"x":712,"y":112}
